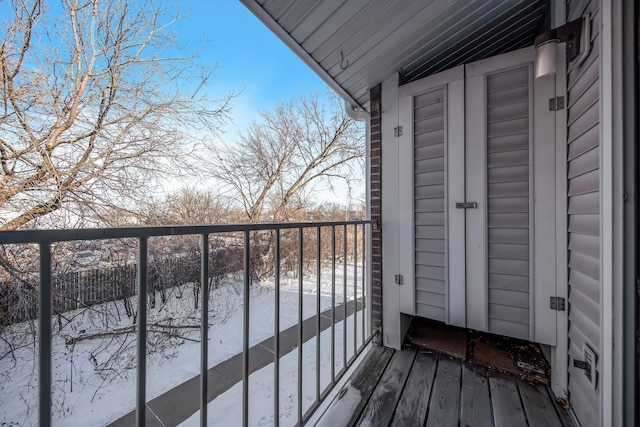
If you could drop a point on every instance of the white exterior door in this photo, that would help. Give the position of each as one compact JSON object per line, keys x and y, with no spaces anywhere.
{"x":477,"y":209}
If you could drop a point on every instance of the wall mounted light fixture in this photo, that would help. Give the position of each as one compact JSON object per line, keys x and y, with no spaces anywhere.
{"x":577,"y":35}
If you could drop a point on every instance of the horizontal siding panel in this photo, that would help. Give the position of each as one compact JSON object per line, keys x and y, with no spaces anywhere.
{"x":509,"y":314}
{"x":430,"y":165}
{"x":510,"y":127}
{"x":430,"y":218}
{"x":508,"y":158}
{"x":585,"y":244}
{"x":429,"y":232}
{"x":429,"y":191}
{"x":583,"y":401}
{"x":429,"y":272}
{"x":430,"y":312}
{"x":430,"y":285}
{"x":429,"y":98}
{"x":583,"y":123}
{"x":586,"y":284}
{"x":509,"y":96}
{"x":587,"y":162}
{"x":509,"y":205}
{"x":509,"y":251}
{"x":429,"y":205}
{"x":506,"y":174}
{"x":508,"y":112}
{"x":429,"y":298}
{"x":430,"y":258}
{"x":508,"y":80}
{"x":429,"y":138}
{"x":501,"y":235}
{"x":509,"y":266}
{"x":580,"y":105}
{"x":588,"y":203}
{"x":585,"y":264}
{"x":428,"y":152}
{"x":508,"y":189}
{"x":588,"y":327}
{"x":428,"y":125}
{"x":509,"y":297}
{"x":516,"y":330}
{"x":586,"y":305}
{"x":430,"y":245}
{"x":512,"y":283}
{"x":585,"y":143}
{"x":509,"y":220}
{"x":429,"y":111}
{"x":585,"y":224}
{"x":585,"y":183}
{"x":509,"y":143}
{"x":429,"y":178}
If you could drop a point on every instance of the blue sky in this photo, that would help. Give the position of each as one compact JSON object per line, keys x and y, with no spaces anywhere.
{"x":250,"y":58}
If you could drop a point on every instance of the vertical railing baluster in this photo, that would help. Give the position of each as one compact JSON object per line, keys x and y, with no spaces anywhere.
{"x":344,"y":297}
{"x":204,"y":328}
{"x":276,"y":337}
{"x":318,"y":268}
{"x":245,"y":334}
{"x":44,"y":354}
{"x":333,"y":304}
{"x":300,"y":284}
{"x":355,"y":290}
{"x":141,"y":374}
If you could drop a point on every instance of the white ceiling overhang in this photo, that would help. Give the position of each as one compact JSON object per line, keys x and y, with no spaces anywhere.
{"x":356,"y":44}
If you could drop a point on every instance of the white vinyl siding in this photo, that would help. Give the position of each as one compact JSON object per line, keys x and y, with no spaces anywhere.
{"x":429,"y":204}
{"x":583,"y":157}
{"x":508,"y":202}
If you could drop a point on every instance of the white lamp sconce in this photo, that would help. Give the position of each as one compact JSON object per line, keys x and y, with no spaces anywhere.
{"x":577,"y":35}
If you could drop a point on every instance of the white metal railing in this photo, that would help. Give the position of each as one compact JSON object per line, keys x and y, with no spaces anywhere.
{"x":45,"y":238}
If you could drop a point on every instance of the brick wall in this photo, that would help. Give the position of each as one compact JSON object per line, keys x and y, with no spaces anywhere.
{"x":376,"y":205}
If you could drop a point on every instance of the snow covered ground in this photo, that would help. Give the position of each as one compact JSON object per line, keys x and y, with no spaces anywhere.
{"x":94,"y":379}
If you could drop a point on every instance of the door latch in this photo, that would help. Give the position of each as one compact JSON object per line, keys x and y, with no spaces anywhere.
{"x":467,"y":205}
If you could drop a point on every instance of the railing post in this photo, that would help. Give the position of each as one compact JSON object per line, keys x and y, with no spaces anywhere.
{"x":318,"y":268}
{"x":276,"y":336}
{"x":204,"y":328}
{"x":364,"y":280}
{"x":44,"y":353}
{"x":333,"y":304}
{"x":344,"y":297}
{"x":355,"y":290}
{"x":245,"y":332}
{"x":300,"y":285}
{"x":142,"y":333}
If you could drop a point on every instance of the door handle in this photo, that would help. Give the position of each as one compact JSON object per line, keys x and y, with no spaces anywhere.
{"x":467,"y":205}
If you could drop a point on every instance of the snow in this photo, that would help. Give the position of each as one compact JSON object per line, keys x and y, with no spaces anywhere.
{"x":95,"y":378}
{"x":226,"y":409}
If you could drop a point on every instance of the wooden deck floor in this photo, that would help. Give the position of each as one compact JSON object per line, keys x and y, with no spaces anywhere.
{"x":411,"y":388}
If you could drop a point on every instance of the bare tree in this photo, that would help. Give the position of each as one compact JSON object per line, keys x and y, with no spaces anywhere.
{"x":95,"y":100}
{"x":281,"y":157}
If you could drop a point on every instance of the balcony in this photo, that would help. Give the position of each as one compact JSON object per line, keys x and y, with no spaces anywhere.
{"x":302,"y":306}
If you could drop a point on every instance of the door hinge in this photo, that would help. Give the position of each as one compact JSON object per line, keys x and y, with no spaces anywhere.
{"x":397,"y":131}
{"x":556,"y":104}
{"x":399,"y":279}
{"x":557,"y":303}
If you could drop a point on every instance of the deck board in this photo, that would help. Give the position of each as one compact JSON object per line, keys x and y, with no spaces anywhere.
{"x":475,"y":404}
{"x":387,"y":395}
{"x":404,"y":389}
{"x":354,"y":396}
{"x":538,"y":407}
{"x":444,"y":407}
{"x":505,"y":401}
{"x":413,"y":404}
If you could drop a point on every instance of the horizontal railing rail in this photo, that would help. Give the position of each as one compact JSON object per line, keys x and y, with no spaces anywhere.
{"x":360,"y":229}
